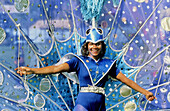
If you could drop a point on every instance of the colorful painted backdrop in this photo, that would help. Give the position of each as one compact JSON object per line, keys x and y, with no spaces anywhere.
{"x":38,"y":33}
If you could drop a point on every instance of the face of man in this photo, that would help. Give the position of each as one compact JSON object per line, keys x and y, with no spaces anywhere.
{"x":94,"y":49}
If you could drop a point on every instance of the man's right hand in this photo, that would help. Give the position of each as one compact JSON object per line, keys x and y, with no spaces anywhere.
{"x":24,"y":70}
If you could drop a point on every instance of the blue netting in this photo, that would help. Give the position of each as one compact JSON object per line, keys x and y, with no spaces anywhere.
{"x":39,"y":33}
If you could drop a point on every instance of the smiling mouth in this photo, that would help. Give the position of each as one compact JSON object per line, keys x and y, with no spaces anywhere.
{"x":95,"y":50}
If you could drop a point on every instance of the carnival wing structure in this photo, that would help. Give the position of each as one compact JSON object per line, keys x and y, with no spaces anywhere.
{"x":43,"y":33}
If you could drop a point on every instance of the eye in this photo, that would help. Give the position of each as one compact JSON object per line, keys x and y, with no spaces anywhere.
{"x":90,"y":43}
{"x":99,"y":43}
{"x":100,"y":30}
{"x":88,"y":31}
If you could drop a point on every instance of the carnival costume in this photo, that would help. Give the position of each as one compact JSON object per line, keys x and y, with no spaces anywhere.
{"x":92,"y":76}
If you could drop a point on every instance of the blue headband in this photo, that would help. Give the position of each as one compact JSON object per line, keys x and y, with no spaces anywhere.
{"x":94,"y":35}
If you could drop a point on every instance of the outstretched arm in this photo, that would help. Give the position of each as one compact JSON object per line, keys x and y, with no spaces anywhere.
{"x":45,"y":70}
{"x":135,"y":86}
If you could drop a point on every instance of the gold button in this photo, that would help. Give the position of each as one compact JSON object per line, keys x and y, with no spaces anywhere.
{"x":94,"y":79}
{"x":97,"y":72}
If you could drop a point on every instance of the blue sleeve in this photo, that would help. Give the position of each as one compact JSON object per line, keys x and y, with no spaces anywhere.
{"x":73,"y":64}
{"x":114,"y":71}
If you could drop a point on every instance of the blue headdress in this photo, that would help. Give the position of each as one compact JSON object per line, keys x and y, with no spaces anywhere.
{"x":94,"y":34}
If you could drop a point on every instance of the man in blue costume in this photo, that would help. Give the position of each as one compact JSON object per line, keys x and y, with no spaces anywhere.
{"x":92,"y":71}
